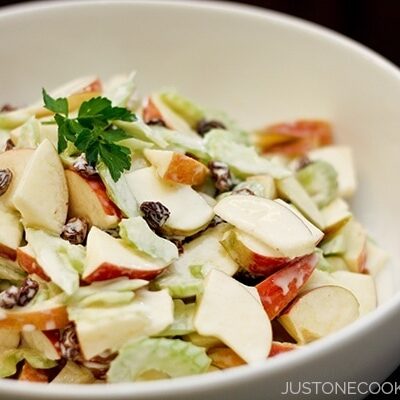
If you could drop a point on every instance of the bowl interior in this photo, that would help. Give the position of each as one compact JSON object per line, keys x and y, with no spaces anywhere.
{"x":261,"y":68}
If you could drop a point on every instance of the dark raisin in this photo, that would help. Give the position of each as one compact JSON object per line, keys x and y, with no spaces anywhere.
{"x":221,"y":175}
{"x":178,"y":243}
{"x":5,"y":180}
{"x":9,"y":297}
{"x":7,"y":107}
{"x":204,"y":126}
{"x":9,"y":145}
{"x":69,"y":344}
{"x":303,"y":162}
{"x":27,"y":291}
{"x":99,"y":365}
{"x":75,"y":230}
{"x":157,"y":122}
{"x":155,"y":214}
{"x":84,"y":168}
{"x":247,"y":278}
{"x":215,"y":221}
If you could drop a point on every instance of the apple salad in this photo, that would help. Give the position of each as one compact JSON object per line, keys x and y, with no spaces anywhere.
{"x":151,"y":238}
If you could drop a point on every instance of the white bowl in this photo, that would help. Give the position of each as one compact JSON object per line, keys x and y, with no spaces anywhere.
{"x":261,"y":67}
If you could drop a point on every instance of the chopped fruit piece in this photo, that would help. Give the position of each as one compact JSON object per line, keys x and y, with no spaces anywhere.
{"x":26,"y":259}
{"x":376,"y":258}
{"x":74,"y":373}
{"x":279,"y":289}
{"x":11,"y":233}
{"x":336,"y":215}
{"x":44,"y":344}
{"x":269,"y":221}
{"x":224,"y":305}
{"x":9,"y":339}
{"x":268,"y":184}
{"x":109,"y":258}
{"x":31,"y":374}
{"x":294,"y":139}
{"x":281,"y":347}
{"x":42,"y":194}
{"x":356,"y":241}
{"x":341,"y":158}
{"x":15,"y":160}
{"x":224,"y":357}
{"x":320,"y":312}
{"x":252,"y":254}
{"x":89,"y":200}
{"x":177,"y":167}
{"x":146,"y":185}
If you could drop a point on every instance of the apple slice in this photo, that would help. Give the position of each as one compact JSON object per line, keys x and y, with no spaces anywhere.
{"x":252,"y":254}
{"x":184,"y":220}
{"x":47,"y":315}
{"x":336,"y":215}
{"x":11,"y":233}
{"x":73,"y":373}
{"x":290,"y":189}
{"x":320,"y":312}
{"x":88,"y":199}
{"x":224,"y":357}
{"x":361,"y":285}
{"x":15,"y":160}
{"x":267,"y":182}
{"x":177,"y":167}
{"x":42,"y":194}
{"x":356,"y":241}
{"x":44,"y":344}
{"x":341,"y":158}
{"x":269,"y":221}
{"x":31,"y":374}
{"x":281,"y":347}
{"x":148,"y":314}
{"x":26,"y":259}
{"x":223,"y":307}
{"x":376,"y":258}
{"x":9,"y":339}
{"x":108,"y":258}
{"x":279,"y":289}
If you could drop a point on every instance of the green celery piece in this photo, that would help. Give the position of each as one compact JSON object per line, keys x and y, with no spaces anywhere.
{"x":334,"y":246}
{"x":119,"y":191}
{"x":10,"y":358}
{"x":13,"y":119}
{"x":184,"y":107}
{"x":139,"y":130}
{"x":11,"y":271}
{"x":29,"y":134}
{"x":107,"y":298}
{"x":322,"y":264}
{"x":256,"y":187}
{"x":183,"y":319}
{"x":319,"y":179}
{"x":122,"y":91}
{"x":136,"y":144}
{"x":118,"y":285}
{"x":182,"y":142}
{"x":171,"y":356}
{"x":61,"y":260}
{"x":4,"y":137}
{"x":243,"y":160}
{"x":136,"y":232}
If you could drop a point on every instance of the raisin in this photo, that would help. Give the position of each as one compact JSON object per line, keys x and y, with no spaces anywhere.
{"x":221,"y":175}
{"x":83,"y":167}
{"x":27,"y":291}
{"x":75,"y":230}
{"x":9,"y":297}
{"x":245,"y":191}
{"x":69,"y":344}
{"x":204,"y":126}
{"x":7,"y":107}
{"x":157,"y":122}
{"x":5,"y":180}
{"x":303,"y":162}
{"x":178,"y":243}
{"x":155,"y":214}
{"x":9,"y":145}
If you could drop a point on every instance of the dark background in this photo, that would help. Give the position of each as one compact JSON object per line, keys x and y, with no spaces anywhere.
{"x":375,"y":23}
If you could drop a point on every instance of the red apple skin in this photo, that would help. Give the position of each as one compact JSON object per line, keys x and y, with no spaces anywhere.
{"x":151,"y":113}
{"x":109,"y":271}
{"x":297,"y":138}
{"x":31,"y":374}
{"x":8,"y":253}
{"x":95,"y":86}
{"x":281,"y":347}
{"x":98,"y":187}
{"x":29,"y":264}
{"x":279,"y":289}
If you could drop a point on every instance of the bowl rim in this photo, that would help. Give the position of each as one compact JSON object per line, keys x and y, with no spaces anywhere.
{"x":243,"y":374}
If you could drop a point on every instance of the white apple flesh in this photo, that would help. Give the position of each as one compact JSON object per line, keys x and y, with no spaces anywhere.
{"x":320,"y":312}
{"x":11,"y":233}
{"x":189,"y":212}
{"x":108,"y":258}
{"x":42,"y":194}
{"x":267,"y":220}
{"x":37,"y":340}
{"x":229,"y":312}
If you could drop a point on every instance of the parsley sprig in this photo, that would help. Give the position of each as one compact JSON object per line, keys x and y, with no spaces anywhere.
{"x":92,"y":131}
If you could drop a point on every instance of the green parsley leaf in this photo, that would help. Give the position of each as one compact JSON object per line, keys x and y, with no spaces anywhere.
{"x":92,"y":132}
{"x":58,"y":106}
